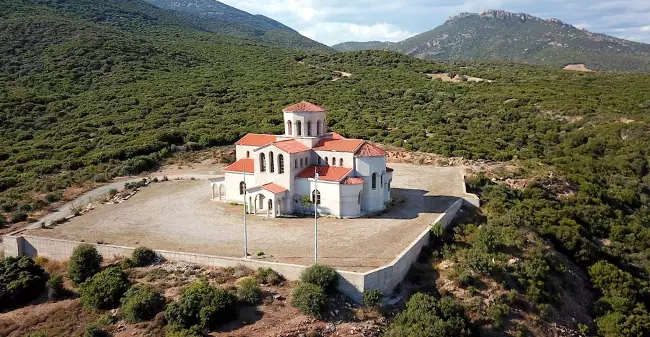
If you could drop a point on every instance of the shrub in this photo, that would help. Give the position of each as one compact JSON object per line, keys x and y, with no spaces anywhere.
{"x":54,"y":287}
{"x":269,"y":276}
{"x":143,"y":256}
{"x":323,"y":276}
{"x":18,"y":216}
{"x":3,"y":222}
{"x":84,"y":263}
{"x":248,"y":290}
{"x":426,"y":316}
{"x":112,"y":192}
{"x":201,"y":307}
{"x":141,"y":303}
{"x":371,"y":297}
{"x":92,"y":330}
{"x":21,"y":280}
{"x":310,"y":299}
{"x":496,"y":313}
{"x":104,"y":289}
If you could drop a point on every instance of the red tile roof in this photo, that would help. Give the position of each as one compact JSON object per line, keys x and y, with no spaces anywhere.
{"x":335,"y":135}
{"x":242,"y":165}
{"x":291,"y":146}
{"x":254,"y":139}
{"x":340,"y":145}
{"x":353,"y":181}
{"x":273,"y":188}
{"x":304,"y":107}
{"x":369,"y":150}
{"x":388,"y":169}
{"x":326,"y":173}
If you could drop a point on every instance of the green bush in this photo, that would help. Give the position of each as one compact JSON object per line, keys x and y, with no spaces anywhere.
{"x":141,"y":303}
{"x":497,"y":313}
{"x":93,"y":330}
{"x":143,"y":256}
{"x":54,"y":287}
{"x":21,"y":280}
{"x":371,"y":297}
{"x":310,"y":299}
{"x":269,"y":276}
{"x":84,"y":263}
{"x":323,"y":276}
{"x":104,"y":289}
{"x":248,"y":290}
{"x":201,"y":307}
{"x":3,"y":221}
{"x":427,"y":316}
{"x":18,"y":216}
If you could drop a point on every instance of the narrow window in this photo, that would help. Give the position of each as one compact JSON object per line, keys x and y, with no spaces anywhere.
{"x":248,"y":154}
{"x":289,"y":128}
{"x":298,"y":128}
{"x":315,"y":197}
{"x":242,"y":187}
{"x":341,"y":162}
{"x":309,"y":128}
{"x":281,"y":164}
{"x":374,"y":181}
{"x":307,"y":161}
{"x":382,"y":180}
{"x":301,"y":162}
{"x":318,"y":128}
{"x":271,"y":162}
{"x":327,"y":161}
{"x":296,"y":164}
{"x":319,"y":160}
{"x":359,"y":198}
{"x":333,"y":161}
{"x":262,"y":162}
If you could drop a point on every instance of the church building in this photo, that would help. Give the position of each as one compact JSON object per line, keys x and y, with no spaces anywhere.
{"x":277,"y":175}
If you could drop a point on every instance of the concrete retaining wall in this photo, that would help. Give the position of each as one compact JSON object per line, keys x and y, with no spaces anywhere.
{"x":386,"y":278}
{"x":351,"y":284}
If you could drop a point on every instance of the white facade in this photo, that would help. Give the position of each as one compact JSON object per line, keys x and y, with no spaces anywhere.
{"x":280,"y":171}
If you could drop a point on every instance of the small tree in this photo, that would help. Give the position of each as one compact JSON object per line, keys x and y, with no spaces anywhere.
{"x":141,"y":303}
{"x":84,"y":263}
{"x":18,"y":216}
{"x":200,"y":308}
{"x":426,"y":315}
{"x":309,"y":299}
{"x":21,"y":280}
{"x":143,"y":256}
{"x":54,"y":287}
{"x":323,"y":276}
{"x":104,"y":289}
{"x":248,"y":290}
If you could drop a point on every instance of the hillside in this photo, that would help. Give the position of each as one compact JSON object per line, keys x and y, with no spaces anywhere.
{"x":225,"y":18}
{"x":92,"y":90}
{"x":370,"y":45}
{"x":518,"y":37}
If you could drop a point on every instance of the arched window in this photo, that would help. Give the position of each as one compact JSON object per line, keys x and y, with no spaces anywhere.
{"x":341,"y":162}
{"x":248,"y":154}
{"x":319,"y":160}
{"x":315,"y":197}
{"x":360,"y":198}
{"x":382,"y":180}
{"x":298,"y":128}
{"x":374,"y":181}
{"x":295,"y":165}
{"x":262,"y":162}
{"x":281,"y":164}
{"x":309,"y":128}
{"x":318,"y":128}
{"x":242,"y":187}
{"x":333,"y":161}
{"x":327,"y":161}
{"x":289,"y":128}
{"x":271,"y":162}
{"x":301,"y":162}
{"x":307,"y":161}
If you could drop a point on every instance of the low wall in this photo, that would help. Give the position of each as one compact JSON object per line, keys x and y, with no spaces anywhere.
{"x":352,"y":284}
{"x":386,"y":278}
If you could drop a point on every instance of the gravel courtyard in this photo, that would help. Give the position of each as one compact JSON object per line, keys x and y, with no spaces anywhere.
{"x":179,"y":216}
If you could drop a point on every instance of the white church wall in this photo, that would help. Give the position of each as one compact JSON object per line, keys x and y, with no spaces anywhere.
{"x":348,"y":158}
{"x":304,"y":118}
{"x":242,"y":150}
{"x":372,"y":199}
{"x":350,"y":206}
{"x":232,"y":180}
{"x":329,"y":195}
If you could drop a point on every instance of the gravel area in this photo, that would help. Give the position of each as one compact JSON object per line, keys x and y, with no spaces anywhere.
{"x":179,"y":216}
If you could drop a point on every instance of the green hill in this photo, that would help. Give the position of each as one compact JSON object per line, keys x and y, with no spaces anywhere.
{"x":90,"y":90}
{"x":370,"y":45}
{"x":518,"y":37}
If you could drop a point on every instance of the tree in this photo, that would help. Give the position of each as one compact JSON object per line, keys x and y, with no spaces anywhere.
{"x":323,"y":276}
{"x":21,"y":280}
{"x":84,"y":263}
{"x":141,"y":303}
{"x":426,"y":316}
{"x":104,"y":289}
{"x":201,"y":308}
{"x":310,"y":299}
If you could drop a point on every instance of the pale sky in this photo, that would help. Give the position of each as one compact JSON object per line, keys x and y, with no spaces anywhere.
{"x":334,"y":21}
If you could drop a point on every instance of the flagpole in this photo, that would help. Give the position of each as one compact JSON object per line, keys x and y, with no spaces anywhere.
{"x":245,"y":229}
{"x":315,"y":215}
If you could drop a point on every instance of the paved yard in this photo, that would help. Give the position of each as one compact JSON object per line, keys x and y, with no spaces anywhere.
{"x":179,"y":215}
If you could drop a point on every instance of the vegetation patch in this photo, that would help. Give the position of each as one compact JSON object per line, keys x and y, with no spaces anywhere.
{"x":84,"y":263}
{"x":21,"y":280}
{"x":104,"y":289}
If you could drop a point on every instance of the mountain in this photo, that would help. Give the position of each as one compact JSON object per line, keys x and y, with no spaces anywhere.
{"x":501,"y":35}
{"x":238,"y":23}
{"x":370,"y":45}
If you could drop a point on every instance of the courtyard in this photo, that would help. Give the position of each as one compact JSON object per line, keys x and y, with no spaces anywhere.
{"x":178,"y":215}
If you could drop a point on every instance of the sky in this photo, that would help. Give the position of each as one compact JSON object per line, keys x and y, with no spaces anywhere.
{"x":335,"y":21}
